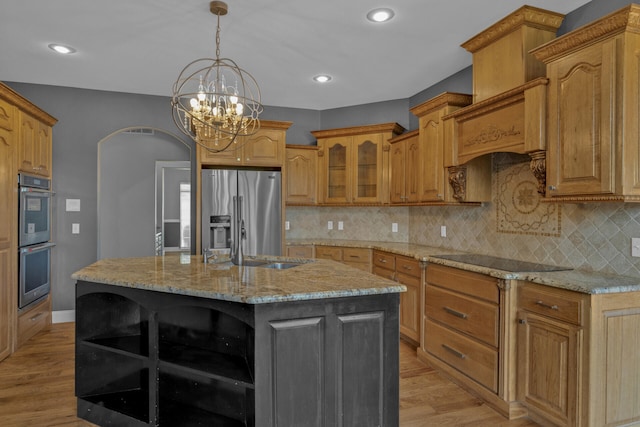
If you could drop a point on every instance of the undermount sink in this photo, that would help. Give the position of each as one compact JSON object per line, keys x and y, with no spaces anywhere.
{"x":254,"y":262}
{"x":269,"y":264}
{"x":281,"y":265}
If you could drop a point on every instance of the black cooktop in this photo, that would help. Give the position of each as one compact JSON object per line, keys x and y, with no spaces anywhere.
{"x":501,"y":263}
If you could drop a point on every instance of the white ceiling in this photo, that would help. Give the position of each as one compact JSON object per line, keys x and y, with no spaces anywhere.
{"x":140,"y":46}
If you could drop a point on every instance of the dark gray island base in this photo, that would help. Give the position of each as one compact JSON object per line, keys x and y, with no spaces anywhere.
{"x":147,"y":357}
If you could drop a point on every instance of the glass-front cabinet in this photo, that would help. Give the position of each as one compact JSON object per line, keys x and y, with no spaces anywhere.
{"x":354,"y":164}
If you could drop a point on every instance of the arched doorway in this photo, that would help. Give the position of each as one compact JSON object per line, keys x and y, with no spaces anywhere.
{"x":127,"y":182}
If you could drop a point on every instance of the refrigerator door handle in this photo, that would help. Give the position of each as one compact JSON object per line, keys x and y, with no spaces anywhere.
{"x":238,"y":232}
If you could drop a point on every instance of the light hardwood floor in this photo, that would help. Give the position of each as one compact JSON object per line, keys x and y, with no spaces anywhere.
{"x":37,"y":389}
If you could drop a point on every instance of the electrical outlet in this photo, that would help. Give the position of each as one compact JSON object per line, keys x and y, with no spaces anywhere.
{"x":443,"y":231}
{"x":635,"y":246}
{"x":394,"y":227}
{"x":329,"y":225}
{"x":340,"y":225}
{"x":75,"y":228}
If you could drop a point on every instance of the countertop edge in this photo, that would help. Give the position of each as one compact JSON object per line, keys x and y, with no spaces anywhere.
{"x":587,"y":282}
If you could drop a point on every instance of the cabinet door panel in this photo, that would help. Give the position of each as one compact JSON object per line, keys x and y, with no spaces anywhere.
{"x":548,"y":367}
{"x":431,"y":141}
{"x":367,"y":169}
{"x":301,"y":175}
{"x":264,"y":148}
{"x":360,"y":369}
{"x":581,"y":125}
{"x":297,"y":352}
{"x":337,"y":178}
{"x":397,"y":164}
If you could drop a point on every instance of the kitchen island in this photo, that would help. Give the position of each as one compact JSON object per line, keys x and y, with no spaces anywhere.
{"x":172,"y":341}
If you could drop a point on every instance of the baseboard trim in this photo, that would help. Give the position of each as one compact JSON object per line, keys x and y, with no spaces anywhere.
{"x":63,"y":316}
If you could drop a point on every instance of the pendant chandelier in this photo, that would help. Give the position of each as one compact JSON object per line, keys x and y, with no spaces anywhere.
{"x":214,"y":101}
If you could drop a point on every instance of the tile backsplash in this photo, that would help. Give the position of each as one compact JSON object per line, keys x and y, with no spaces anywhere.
{"x":587,"y":236}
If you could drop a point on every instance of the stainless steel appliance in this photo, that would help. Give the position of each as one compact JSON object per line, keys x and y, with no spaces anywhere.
{"x":34,"y":273}
{"x":34,"y":210}
{"x":34,"y":239}
{"x":242,"y":209}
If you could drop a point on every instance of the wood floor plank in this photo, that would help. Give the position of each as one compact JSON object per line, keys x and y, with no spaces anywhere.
{"x":37,"y":389}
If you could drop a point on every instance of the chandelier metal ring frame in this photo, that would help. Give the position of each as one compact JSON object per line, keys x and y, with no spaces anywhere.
{"x":215,"y":101}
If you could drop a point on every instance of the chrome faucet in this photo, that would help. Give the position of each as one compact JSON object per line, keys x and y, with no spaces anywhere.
{"x":208,"y":253}
{"x":239,"y":234}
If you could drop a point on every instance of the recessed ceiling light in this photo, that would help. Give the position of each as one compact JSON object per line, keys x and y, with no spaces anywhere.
{"x":380,"y":15}
{"x":60,"y":48}
{"x":322,"y":78}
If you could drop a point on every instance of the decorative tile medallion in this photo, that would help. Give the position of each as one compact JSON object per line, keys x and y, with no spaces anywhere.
{"x":519,"y":207}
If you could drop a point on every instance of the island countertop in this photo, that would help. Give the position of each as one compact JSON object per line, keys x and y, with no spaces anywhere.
{"x":188,"y":275}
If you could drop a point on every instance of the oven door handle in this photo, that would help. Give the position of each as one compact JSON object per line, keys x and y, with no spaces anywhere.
{"x":45,"y":193}
{"x":36,"y":248}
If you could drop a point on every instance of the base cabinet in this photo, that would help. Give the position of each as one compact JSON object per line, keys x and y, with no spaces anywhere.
{"x":154,"y":358}
{"x":359,"y":258}
{"x":407,"y":271}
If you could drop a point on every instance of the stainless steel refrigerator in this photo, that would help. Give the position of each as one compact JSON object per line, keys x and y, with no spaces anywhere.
{"x":242,"y":205}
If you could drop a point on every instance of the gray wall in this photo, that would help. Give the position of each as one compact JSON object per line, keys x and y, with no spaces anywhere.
{"x":86,"y":117}
{"x":126,"y":190}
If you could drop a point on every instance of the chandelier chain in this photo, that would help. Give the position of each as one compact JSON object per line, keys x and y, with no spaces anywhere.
{"x":218,"y":38}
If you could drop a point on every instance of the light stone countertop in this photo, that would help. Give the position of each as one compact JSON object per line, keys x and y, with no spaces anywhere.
{"x":188,"y":275}
{"x":575,"y":280}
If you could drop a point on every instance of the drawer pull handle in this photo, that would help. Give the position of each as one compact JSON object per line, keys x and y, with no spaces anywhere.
{"x":354,"y":256}
{"x":36,"y":317}
{"x":454,"y":351}
{"x":550,"y":307}
{"x":407,"y":267}
{"x":455,"y":312}
{"x":384,"y":261}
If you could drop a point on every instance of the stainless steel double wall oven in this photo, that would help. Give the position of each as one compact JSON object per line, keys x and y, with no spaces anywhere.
{"x":34,"y":239}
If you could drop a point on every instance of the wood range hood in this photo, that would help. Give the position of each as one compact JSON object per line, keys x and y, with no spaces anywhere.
{"x":508,"y":113}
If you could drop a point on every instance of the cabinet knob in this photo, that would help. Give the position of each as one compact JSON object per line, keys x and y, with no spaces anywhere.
{"x":522,"y":321}
{"x":552,"y":188}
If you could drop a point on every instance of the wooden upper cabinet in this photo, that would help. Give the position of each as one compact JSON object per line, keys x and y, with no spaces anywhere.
{"x":593,"y":106}
{"x":265,"y":148}
{"x":405,"y":165}
{"x":433,"y":182}
{"x":35,"y":146}
{"x":301,"y":171}
{"x":354,"y":163}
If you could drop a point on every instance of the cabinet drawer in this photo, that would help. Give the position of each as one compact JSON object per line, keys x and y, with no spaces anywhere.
{"x":469,"y":357}
{"x":552,"y":302}
{"x":476,"y":318}
{"x":329,"y":252}
{"x":300,"y":251}
{"x":384,"y":260}
{"x":33,"y":321}
{"x":356,"y":255}
{"x":467,"y":282}
{"x":384,"y":272}
{"x":408,"y":266}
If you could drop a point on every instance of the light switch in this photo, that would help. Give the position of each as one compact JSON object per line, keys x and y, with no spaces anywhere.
{"x":394,"y":227}
{"x":329,"y":225}
{"x":287,"y":225}
{"x":443,"y":231}
{"x":75,"y":228}
{"x":340,"y":225}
